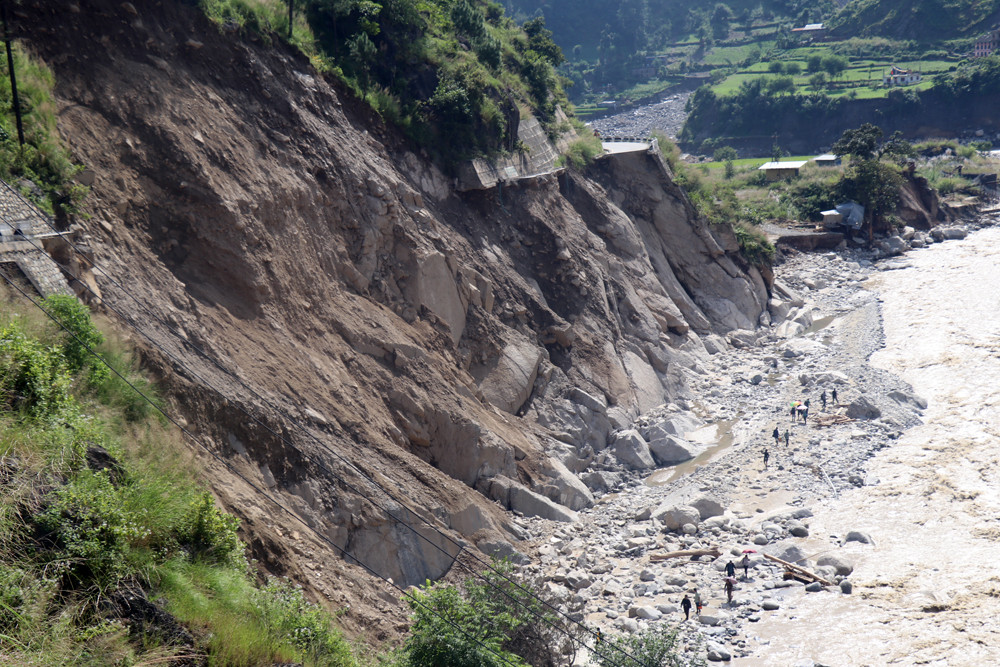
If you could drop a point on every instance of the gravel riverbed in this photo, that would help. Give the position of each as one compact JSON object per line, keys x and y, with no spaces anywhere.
{"x":604,"y":568}
{"x":666,"y":116}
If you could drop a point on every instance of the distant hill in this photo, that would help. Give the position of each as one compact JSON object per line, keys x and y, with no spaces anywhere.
{"x":652,"y":24}
{"x":920,"y":20}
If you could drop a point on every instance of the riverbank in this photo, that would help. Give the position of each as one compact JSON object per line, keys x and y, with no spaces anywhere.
{"x":812,"y":504}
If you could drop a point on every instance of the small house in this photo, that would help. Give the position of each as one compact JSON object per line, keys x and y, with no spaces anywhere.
{"x":898,"y":76}
{"x":827,"y":160}
{"x":832,"y":218}
{"x":776,"y":171}
{"x":987,"y":45}
{"x":814,"y":31}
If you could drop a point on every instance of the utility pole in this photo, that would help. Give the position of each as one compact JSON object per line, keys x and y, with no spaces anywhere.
{"x":13,"y":78}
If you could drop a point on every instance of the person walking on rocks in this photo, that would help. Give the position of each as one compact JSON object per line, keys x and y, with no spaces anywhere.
{"x":745,"y":564}
{"x":822,"y":398}
{"x":729,"y":589}
{"x":686,"y":607}
{"x":786,"y":437}
{"x":697,"y":601}
{"x":767,"y":455}
{"x":730,"y":569}
{"x":776,"y":435}
{"x":833,"y":396}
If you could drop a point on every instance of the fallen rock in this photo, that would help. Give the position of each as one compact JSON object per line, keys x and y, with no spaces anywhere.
{"x":645,"y":613}
{"x":708,"y":507}
{"x":908,"y":399}
{"x":858,"y":536}
{"x":841,"y":565}
{"x":713,"y":618}
{"x":673,"y":517}
{"x":717,"y":652}
{"x":948,"y":233}
{"x":671,"y":449}
{"x":632,"y":451}
{"x":530,"y":503}
{"x":846,"y":587}
{"x":863,"y":408}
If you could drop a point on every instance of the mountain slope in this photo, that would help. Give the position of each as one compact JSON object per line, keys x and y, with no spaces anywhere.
{"x":921,"y":20}
{"x":468,"y":352}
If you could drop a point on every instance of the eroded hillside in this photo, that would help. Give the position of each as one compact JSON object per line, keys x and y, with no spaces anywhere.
{"x":330,"y":316}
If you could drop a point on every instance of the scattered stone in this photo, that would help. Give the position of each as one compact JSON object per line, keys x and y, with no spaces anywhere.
{"x":858,"y":536}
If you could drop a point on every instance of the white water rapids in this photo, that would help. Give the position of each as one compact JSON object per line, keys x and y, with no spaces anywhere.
{"x":928,"y":591}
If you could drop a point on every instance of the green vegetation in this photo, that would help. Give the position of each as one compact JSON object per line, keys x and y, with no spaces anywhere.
{"x":457,"y":75}
{"x":920,"y":20}
{"x":870,"y":180}
{"x":653,"y":646}
{"x":100,"y":514}
{"x":43,"y":160}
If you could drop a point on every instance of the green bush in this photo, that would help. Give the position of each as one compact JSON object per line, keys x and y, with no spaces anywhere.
{"x":286,"y":613}
{"x":450,"y":631}
{"x":86,"y":532}
{"x":582,"y":152}
{"x":33,"y":377}
{"x":210,"y":534}
{"x":80,"y":334}
{"x":754,"y":245}
{"x":655,"y":647}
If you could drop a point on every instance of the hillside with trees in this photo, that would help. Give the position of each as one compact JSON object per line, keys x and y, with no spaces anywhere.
{"x":925,"y":21}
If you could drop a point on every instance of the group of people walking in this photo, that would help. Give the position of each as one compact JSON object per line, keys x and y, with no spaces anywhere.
{"x":798,"y":409}
{"x":729,"y":585}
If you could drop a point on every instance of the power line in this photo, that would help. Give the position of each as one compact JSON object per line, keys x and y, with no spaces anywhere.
{"x":249,"y":483}
{"x":454,"y":557}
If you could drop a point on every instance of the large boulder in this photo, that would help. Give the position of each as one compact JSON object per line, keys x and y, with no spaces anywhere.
{"x":785,"y":550}
{"x":670,"y":449}
{"x":632,"y":451}
{"x":863,"y":408}
{"x":909,"y":399}
{"x":563,"y":486}
{"x":675,"y":424}
{"x":842,"y":566}
{"x":948,"y":233}
{"x":674,"y":517}
{"x":507,"y":382}
{"x":530,"y":503}
{"x":708,"y":507}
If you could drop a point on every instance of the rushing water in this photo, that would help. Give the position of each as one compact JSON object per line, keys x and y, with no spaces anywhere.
{"x":928,"y":591}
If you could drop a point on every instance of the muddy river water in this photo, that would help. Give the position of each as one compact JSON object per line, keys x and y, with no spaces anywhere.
{"x":928,"y":591}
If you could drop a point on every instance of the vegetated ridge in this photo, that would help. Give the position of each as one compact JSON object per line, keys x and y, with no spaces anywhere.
{"x":315,"y":292}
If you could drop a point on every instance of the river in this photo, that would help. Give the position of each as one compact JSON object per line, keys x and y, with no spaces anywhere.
{"x":928,"y":591}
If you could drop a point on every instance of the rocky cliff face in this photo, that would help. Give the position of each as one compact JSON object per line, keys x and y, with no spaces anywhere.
{"x":330,"y":316}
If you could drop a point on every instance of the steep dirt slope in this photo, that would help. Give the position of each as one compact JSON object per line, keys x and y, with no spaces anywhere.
{"x":469,"y":352}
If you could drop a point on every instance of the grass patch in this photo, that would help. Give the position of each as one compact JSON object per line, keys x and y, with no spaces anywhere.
{"x":43,"y":160}
{"x":100,"y":497}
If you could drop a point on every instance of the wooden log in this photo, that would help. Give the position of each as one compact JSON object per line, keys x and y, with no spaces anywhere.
{"x":799,"y":570}
{"x":691,"y":553}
